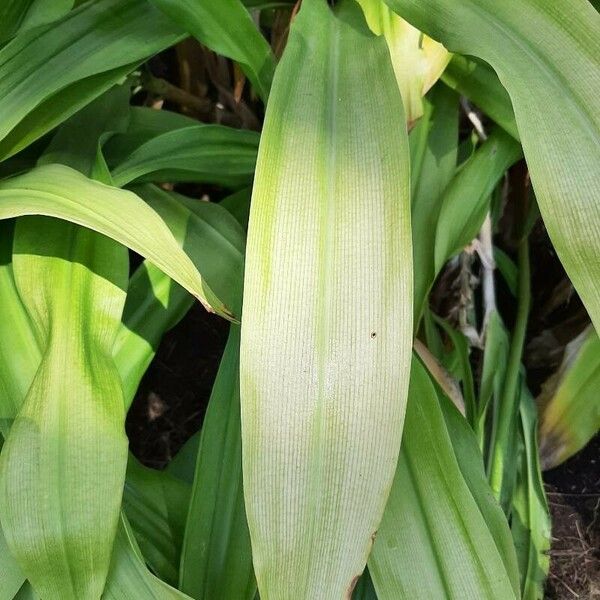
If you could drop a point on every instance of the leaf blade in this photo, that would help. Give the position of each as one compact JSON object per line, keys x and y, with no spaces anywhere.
{"x":303,"y":544}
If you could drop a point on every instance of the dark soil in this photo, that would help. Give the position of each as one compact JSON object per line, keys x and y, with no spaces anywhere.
{"x":171,"y":400}
{"x":573,"y":491}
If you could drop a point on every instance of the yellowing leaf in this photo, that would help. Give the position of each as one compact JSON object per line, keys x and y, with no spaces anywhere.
{"x":418,"y":60}
{"x":327,"y":325}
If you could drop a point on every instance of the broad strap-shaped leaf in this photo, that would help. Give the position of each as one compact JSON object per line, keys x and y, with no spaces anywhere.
{"x":58,"y":191}
{"x":479,"y":82}
{"x":530,"y":518}
{"x":227,"y":28}
{"x":215,"y":243}
{"x":129,"y":577}
{"x":100,"y":119}
{"x":216,"y":560}
{"x":11,"y":576}
{"x":68,"y":438}
{"x":547,"y":56}
{"x":327,"y":324}
{"x":17,"y":16}
{"x":204,"y":153}
{"x":442,"y":536}
{"x":83,"y":54}
{"x":466,"y":200}
{"x":433,"y":146}
{"x":19,"y":350}
{"x":156,"y":506}
{"x":570,"y":401}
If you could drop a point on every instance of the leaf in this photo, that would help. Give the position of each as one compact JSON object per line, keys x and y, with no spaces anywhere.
{"x":214,"y":242}
{"x":493,"y":374}
{"x":17,"y":16}
{"x":81,"y":56}
{"x":216,"y":560}
{"x":238,"y":204}
{"x":68,"y":437}
{"x":463,"y":368}
{"x":129,"y":578}
{"x":569,"y":402}
{"x":58,"y":108}
{"x":104,"y":116}
{"x":20,"y":358}
{"x":433,"y":144}
{"x":204,"y":153}
{"x":508,"y":270}
{"x":418,"y":60}
{"x":464,"y":444}
{"x":10,"y":573}
{"x":143,"y":125}
{"x":550,"y":71}
{"x":478,"y":82}
{"x":327,"y":322}
{"x":438,"y":537}
{"x":467,"y":197}
{"x":227,"y":28}
{"x":530,"y":518}
{"x":156,"y":504}
{"x":57,"y":191}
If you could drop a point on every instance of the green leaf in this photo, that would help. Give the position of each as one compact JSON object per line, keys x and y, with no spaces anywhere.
{"x":442,"y":534}
{"x":156,"y":504}
{"x":238,"y":204}
{"x":462,"y":368}
{"x":17,"y":16}
{"x":493,"y":373}
{"x":570,"y":403}
{"x":129,"y":577}
{"x":530,"y":518}
{"x":20,"y":358}
{"x":547,"y":56}
{"x":10,"y":573}
{"x":143,"y":125}
{"x":216,"y":560}
{"x":204,"y":153}
{"x":433,"y":144}
{"x":478,"y":82}
{"x":214,"y":241}
{"x":50,"y":72}
{"x":508,"y":269}
{"x":61,"y":192}
{"x":227,"y":28}
{"x":468,"y":455}
{"x":466,"y":200}
{"x":327,"y":325}
{"x":106,"y":115}
{"x":68,"y":437}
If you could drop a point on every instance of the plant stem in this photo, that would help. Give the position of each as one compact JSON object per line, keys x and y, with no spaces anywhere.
{"x":502,"y":445}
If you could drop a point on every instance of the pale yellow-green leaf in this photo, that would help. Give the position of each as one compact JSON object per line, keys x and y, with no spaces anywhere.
{"x":418,"y":60}
{"x":58,"y":191}
{"x":327,"y":325}
{"x":63,"y":462}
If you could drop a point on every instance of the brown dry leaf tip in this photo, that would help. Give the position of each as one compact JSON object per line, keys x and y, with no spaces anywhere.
{"x":351,"y":587}
{"x":240,"y":82}
{"x":295,"y":10}
{"x":221,"y":310}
